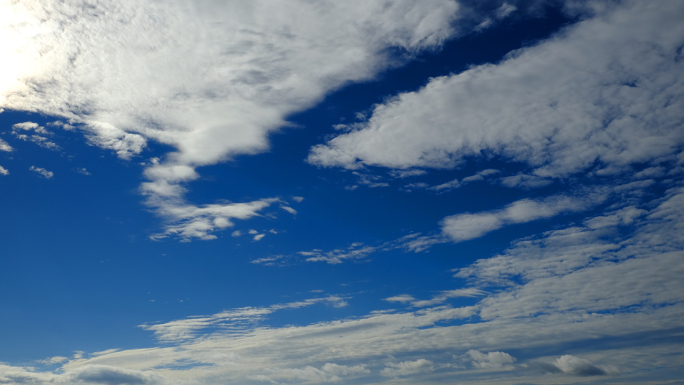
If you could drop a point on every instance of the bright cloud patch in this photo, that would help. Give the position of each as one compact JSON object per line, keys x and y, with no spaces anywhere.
{"x":210,"y":79}
{"x":605,"y":93}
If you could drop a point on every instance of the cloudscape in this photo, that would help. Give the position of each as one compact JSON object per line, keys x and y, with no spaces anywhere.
{"x":351,"y":192}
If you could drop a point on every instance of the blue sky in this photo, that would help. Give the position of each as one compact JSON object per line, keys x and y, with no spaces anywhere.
{"x":358,"y":192}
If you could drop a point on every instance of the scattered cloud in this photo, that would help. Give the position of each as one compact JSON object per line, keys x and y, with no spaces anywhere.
{"x":258,"y":237}
{"x":289,"y":209}
{"x":569,"y":364}
{"x":3,"y":171}
{"x":298,"y":199}
{"x":83,"y":171}
{"x":43,"y":172}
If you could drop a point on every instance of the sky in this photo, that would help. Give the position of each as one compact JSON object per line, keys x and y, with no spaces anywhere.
{"x":341,"y":192}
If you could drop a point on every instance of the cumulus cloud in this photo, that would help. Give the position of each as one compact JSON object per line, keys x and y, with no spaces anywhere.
{"x":211,"y":79}
{"x":43,"y":172}
{"x":406,"y":368}
{"x":490,"y":360}
{"x":3,"y":171}
{"x":584,"y":99}
{"x":569,"y":364}
{"x":4,"y":146}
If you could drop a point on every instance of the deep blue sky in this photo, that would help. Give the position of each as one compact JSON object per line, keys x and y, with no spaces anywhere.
{"x":492,"y":278}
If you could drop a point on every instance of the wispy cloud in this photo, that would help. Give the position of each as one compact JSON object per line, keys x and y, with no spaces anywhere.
{"x":43,"y":172}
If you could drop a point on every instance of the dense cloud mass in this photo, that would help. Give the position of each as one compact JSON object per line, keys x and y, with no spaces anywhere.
{"x":210,"y":78}
{"x":602,"y":95}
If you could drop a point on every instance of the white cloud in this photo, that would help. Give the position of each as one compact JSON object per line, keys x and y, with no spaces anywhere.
{"x":403,"y":298}
{"x":490,"y":360}
{"x":569,"y":364}
{"x":298,"y":199}
{"x":211,"y":79}
{"x":3,"y":171}
{"x":289,"y":210}
{"x":337,"y":256}
{"x":582,"y":99}
{"x":37,"y":139}
{"x":236,"y":233}
{"x":258,"y":237}
{"x":406,"y":368}
{"x":4,"y":146}
{"x":462,"y":227}
{"x":189,"y":221}
{"x":83,"y":171}
{"x":29,"y":126}
{"x":232,"y":321}
{"x":43,"y":172}
{"x":447,"y":294}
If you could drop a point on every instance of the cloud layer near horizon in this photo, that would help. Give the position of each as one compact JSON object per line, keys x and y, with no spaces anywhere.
{"x":617,"y":274}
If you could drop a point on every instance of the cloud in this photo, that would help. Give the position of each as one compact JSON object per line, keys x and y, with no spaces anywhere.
{"x":447,"y":294}
{"x":210,"y":79}
{"x":83,"y":171}
{"x":37,"y":139}
{"x":5,"y":147}
{"x":190,"y":221}
{"x":289,"y":210}
{"x":3,"y":171}
{"x":403,"y":298}
{"x":337,"y":256}
{"x":491,"y":360}
{"x":584,"y":99}
{"x":43,"y":172}
{"x":462,"y":227}
{"x":232,"y":321}
{"x":99,"y":374}
{"x":29,"y":126}
{"x":54,"y":360}
{"x":616,"y":275}
{"x":258,"y":237}
{"x":569,"y":364}
{"x":298,"y":199}
{"x":406,"y":368}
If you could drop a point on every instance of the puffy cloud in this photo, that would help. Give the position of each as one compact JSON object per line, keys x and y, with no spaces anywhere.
{"x":211,"y":79}
{"x":585,"y":98}
{"x":43,"y":172}
{"x":569,"y":364}
{"x":37,"y":139}
{"x":29,"y":126}
{"x":3,"y":171}
{"x":490,"y":360}
{"x":4,"y":146}
{"x":406,"y":368}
